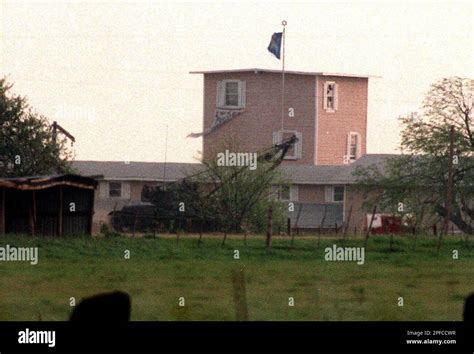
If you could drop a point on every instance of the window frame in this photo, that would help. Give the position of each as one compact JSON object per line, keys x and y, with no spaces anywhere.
{"x":292,"y":192}
{"x":114,"y":189}
{"x":330,"y":192}
{"x":334,"y":97}
{"x":297,"y":150}
{"x":146,"y":188}
{"x":358,"y":146}
{"x":222,"y":94}
{"x":333,"y":194}
{"x":280,"y":193}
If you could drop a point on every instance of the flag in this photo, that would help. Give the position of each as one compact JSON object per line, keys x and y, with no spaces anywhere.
{"x":275,"y":44}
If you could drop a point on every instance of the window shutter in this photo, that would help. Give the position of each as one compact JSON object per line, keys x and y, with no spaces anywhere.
{"x":104,"y":190}
{"x":325,"y":100}
{"x":328,"y":194}
{"x":359,"y":151}
{"x":126,"y":190}
{"x":242,"y":96}
{"x":276,"y":138}
{"x":336,"y":94}
{"x":294,"y":193}
{"x":348,"y":148}
{"x":220,"y":94}
{"x":299,"y":145}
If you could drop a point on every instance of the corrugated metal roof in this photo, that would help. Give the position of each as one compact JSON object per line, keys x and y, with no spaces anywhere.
{"x":43,"y":182}
{"x":295,"y":72}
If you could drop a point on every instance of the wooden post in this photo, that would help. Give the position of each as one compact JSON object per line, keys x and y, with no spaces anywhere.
{"x":189,"y":225}
{"x":369,"y":228}
{"x":33,"y":214}
{"x":322,"y":224}
{"x":225,"y":237}
{"x":55,"y":129}
{"x":60,"y":217}
{"x":135,"y":223}
{"x":269,"y":229}
{"x":288,"y":227}
{"x":324,"y":217}
{"x":91,"y":212}
{"x":200,"y":233}
{"x":290,"y":232}
{"x":449,"y":189}
{"x":3,"y":226}
{"x":415,"y":239}
{"x":177,"y":228}
{"x":346,"y":225}
{"x":240,"y":298}
{"x":298,"y":216}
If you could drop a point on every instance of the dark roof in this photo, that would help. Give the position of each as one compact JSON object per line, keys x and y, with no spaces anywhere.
{"x":43,"y":182}
{"x":295,"y":72}
{"x":154,"y":171}
{"x":342,"y":174}
{"x":135,"y":170}
{"x":345,"y":175}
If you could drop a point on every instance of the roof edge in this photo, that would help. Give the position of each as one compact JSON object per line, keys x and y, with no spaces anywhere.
{"x":295,"y":72}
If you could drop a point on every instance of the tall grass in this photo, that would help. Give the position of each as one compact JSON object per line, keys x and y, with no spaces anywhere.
{"x":160,"y":270}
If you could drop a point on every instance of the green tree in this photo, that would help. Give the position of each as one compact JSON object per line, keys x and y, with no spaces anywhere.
{"x":418,"y":178}
{"x":236,"y":196}
{"x":230,"y":197}
{"x":27,"y":145}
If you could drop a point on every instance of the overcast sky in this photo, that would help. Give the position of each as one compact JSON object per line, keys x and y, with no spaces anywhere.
{"x":115,"y":75}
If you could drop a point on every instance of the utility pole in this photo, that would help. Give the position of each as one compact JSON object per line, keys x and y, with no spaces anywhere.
{"x":449,"y":193}
{"x":56,"y":128}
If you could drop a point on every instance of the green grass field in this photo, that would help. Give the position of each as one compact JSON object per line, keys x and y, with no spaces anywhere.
{"x":161,"y":270}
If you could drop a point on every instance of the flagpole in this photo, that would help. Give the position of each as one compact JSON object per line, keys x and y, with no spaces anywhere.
{"x":283,"y":75}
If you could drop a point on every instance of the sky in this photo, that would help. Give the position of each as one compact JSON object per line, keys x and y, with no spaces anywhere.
{"x":116,"y":75}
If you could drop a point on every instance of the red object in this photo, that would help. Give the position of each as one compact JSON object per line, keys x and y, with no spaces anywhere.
{"x":390,"y":224}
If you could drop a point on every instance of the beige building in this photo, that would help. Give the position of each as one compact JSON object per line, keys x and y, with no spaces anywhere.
{"x":321,"y":195}
{"x":327,"y":113}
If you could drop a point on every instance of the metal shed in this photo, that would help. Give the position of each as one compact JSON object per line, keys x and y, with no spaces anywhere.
{"x":47,"y":205}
